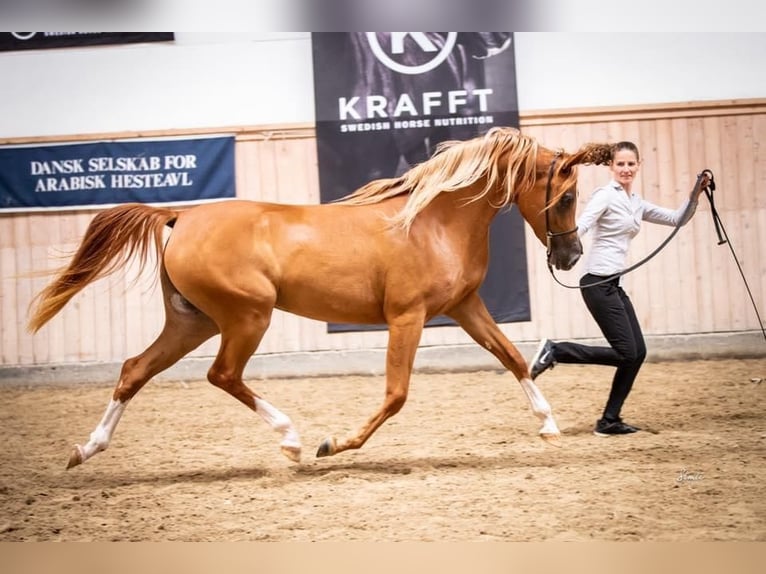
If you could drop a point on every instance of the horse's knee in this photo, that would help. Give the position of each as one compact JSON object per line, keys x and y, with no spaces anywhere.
{"x":222,"y":379}
{"x":395,"y":401}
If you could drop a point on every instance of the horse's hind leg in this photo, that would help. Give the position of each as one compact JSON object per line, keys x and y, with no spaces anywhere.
{"x":240,"y":337}
{"x":185,"y":329}
{"x":472,"y":315}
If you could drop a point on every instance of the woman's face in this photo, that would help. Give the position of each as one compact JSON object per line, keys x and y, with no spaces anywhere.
{"x":624,"y":167}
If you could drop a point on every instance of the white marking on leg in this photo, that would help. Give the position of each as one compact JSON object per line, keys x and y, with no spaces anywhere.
{"x":278,"y":421}
{"x":102,"y":435}
{"x":540,"y":407}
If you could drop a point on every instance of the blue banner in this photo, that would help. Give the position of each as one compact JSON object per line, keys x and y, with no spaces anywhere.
{"x":107,"y":173}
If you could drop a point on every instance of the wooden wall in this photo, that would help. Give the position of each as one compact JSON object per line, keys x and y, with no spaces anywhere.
{"x":693,"y":286}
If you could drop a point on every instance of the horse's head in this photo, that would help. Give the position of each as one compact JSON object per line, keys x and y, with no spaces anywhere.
{"x":551,"y":207}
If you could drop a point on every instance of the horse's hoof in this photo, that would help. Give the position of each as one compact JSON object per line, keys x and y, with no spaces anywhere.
{"x":75,"y":458}
{"x":327,"y":448}
{"x":553,"y":439}
{"x":292,"y":452}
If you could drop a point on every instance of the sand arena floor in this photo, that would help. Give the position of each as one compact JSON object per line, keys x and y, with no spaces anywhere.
{"x":460,"y":462}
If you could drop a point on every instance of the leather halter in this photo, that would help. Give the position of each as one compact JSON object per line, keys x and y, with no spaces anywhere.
{"x":548,"y":233}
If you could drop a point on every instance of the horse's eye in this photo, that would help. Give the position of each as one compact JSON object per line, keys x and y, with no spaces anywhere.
{"x":566,"y":200}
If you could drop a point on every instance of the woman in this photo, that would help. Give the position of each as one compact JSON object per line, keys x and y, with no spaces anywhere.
{"x":613,"y":215}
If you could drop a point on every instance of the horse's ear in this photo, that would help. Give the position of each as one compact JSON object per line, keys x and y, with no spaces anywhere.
{"x":592,"y":153}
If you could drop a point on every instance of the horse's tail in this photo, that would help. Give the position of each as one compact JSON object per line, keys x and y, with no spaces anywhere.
{"x":112,"y":238}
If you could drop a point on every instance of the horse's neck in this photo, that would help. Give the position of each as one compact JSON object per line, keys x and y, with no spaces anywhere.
{"x":456,"y":209}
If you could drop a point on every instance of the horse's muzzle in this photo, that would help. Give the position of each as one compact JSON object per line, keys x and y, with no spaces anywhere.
{"x":564,"y":253}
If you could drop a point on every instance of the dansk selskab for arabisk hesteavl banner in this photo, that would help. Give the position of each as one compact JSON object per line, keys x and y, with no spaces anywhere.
{"x":69,"y":176}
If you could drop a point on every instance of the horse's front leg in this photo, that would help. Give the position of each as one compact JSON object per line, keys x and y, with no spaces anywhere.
{"x":473,"y":317}
{"x":403,"y":340}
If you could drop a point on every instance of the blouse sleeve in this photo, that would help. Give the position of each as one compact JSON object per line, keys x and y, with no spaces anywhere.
{"x":597,"y":204}
{"x":664,"y":216}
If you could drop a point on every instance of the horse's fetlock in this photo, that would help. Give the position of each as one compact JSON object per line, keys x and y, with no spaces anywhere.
{"x":99,"y":440}
{"x":542,"y":412}
{"x":282,"y":424}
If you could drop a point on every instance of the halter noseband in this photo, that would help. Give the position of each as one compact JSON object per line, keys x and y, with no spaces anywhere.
{"x":548,"y":233}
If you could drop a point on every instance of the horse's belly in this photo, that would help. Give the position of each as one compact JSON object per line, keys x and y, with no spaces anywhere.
{"x":339,"y":299}
{"x":335,"y":305}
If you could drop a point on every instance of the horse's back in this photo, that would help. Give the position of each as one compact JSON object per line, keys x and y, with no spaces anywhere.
{"x":313,"y":260}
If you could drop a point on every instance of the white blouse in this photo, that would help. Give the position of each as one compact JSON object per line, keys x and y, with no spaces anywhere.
{"x":614,"y":219}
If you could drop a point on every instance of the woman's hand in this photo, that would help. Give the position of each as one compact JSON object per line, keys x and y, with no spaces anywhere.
{"x":705,"y":180}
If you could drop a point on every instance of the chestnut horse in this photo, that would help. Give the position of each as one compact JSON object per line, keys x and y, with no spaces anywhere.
{"x":397,"y":251}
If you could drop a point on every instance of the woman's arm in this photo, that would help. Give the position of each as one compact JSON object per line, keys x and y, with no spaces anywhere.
{"x":664,"y":216}
{"x":682,"y":215}
{"x":597,"y":204}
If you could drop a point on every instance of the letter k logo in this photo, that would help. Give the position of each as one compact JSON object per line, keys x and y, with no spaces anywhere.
{"x":423,"y":42}
{"x":397,"y":42}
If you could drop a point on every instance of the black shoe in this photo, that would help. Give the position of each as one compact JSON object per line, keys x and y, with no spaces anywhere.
{"x":610,"y":428}
{"x":543,"y":359}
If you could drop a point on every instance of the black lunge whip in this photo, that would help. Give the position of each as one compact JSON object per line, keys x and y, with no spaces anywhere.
{"x":723,"y":237}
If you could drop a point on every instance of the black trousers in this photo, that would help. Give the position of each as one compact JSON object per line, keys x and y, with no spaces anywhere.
{"x":613,"y":311}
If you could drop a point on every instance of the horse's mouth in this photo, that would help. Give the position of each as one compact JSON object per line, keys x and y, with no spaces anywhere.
{"x":567,"y":265}
{"x":565,"y":259}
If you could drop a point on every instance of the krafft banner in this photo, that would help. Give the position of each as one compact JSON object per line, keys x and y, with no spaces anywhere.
{"x":383,"y":102}
{"x":44,"y":40}
{"x":106,"y":173}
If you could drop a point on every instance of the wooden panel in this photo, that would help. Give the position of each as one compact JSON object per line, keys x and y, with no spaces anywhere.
{"x":10,"y":324}
{"x":757,"y":267}
{"x":693,"y":286}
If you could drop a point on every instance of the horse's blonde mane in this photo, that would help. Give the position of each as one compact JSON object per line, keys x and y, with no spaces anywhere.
{"x":457,"y":165}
